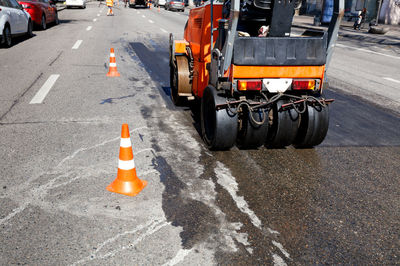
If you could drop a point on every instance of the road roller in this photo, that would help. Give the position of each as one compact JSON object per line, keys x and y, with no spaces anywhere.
{"x":257,"y":82}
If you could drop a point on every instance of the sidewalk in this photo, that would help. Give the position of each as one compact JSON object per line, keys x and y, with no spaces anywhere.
{"x":346,"y":30}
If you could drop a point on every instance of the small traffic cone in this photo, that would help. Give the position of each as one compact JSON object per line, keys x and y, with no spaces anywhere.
{"x":158,"y":9}
{"x":112,"y":72}
{"x":127,"y":182}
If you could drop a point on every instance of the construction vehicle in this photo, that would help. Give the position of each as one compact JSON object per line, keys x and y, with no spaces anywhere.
{"x":254,"y":90}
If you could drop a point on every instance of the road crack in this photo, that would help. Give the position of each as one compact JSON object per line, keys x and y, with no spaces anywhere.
{"x":20,"y":96}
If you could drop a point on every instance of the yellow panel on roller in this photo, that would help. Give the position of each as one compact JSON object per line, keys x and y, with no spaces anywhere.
{"x":180,"y":46}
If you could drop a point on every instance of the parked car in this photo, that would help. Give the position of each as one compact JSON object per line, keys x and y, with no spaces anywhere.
{"x":75,"y":3}
{"x":158,"y":3}
{"x":178,"y":5}
{"x":42,"y":12}
{"x":134,"y":3}
{"x":14,"y":21}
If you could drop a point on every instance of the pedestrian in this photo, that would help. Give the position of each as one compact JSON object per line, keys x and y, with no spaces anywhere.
{"x":110,"y":4}
{"x":360,"y":19}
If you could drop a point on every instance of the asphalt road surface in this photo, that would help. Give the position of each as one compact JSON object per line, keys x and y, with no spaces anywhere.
{"x":60,"y":122}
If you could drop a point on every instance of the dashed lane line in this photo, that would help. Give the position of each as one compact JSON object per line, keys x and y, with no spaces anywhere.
{"x":365,"y":50}
{"x":77,"y":44}
{"x":95,"y":19}
{"x":89,"y":28}
{"x":98,"y":15}
{"x":393,"y":80}
{"x":150,"y":21}
{"x":44,"y":90}
{"x":143,"y":16}
{"x":163,"y":30}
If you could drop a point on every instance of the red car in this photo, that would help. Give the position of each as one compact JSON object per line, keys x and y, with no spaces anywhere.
{"x":42,"y":12}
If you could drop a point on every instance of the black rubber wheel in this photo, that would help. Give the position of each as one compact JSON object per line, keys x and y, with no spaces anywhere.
{"x":56,"y":20}
{"x":43,"y":24}
{"x":7,"y":36}
{"x":313,"y":127}
{"x":251,"y":135}
{"x":283,"y":126}
{"x":219,"y":128}
{"x":29,"y":32}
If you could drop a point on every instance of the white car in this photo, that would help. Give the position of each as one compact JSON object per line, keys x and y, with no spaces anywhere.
{"x":75,"y":3}
{"x":158,"y":3}
{"x":14,"y":21}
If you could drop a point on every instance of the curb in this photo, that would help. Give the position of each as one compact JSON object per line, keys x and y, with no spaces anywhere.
{"x":361,"y":36}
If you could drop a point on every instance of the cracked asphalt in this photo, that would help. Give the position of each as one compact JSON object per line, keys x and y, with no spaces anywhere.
{"x":335,"y":204}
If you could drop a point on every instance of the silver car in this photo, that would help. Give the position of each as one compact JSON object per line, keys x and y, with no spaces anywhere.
{"x":175,"y":5}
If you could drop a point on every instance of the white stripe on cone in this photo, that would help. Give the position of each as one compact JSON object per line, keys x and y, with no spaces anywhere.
{"x":113,"y":64}
{"x":126,"y":165}
{"x":125,"y":143}
{"x":112,"y":55}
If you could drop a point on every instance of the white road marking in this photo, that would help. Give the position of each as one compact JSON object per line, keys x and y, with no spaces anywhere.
{"x":365,"y":50}
{"x":280,"y":247}
{"x":393,"y":80}
{"x":13,"y":213}
{"x":44,"y":90}
{"x":95,"y":19}
{"x":228,"y":182}
{"x":95,"y":146}
{"x":147,"y":149}
{"x":77,"y":44}
{"x":178,"y":258}
{"x":150,"y":229}
{"x":98,"y":15}
{"x":143,"y":16}
{"x":89,"y":28}
{"x":278,"y":261}
{"x":150,"y":21}
{"x":163,"y":30}
{"x":113,"y":239}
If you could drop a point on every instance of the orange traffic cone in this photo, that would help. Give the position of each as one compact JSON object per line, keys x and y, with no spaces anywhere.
{"x":112,"y":72}
{"x":127,"y":182}
{"x":158,"y":9}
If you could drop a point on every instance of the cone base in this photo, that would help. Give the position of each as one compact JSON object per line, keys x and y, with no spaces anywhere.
{"x":113,"y":74}
{"x":128,"y":188}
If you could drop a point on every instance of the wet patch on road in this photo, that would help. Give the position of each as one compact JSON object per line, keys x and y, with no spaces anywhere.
{"x":111,"y":100}
{"x":354,"y":122}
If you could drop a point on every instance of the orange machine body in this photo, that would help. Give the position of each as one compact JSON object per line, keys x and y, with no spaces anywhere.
{"x":197,"y":37}
{"x":197,"y":34}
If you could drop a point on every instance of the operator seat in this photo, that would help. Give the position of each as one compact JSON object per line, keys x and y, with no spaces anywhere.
{"x":278,"y":14}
